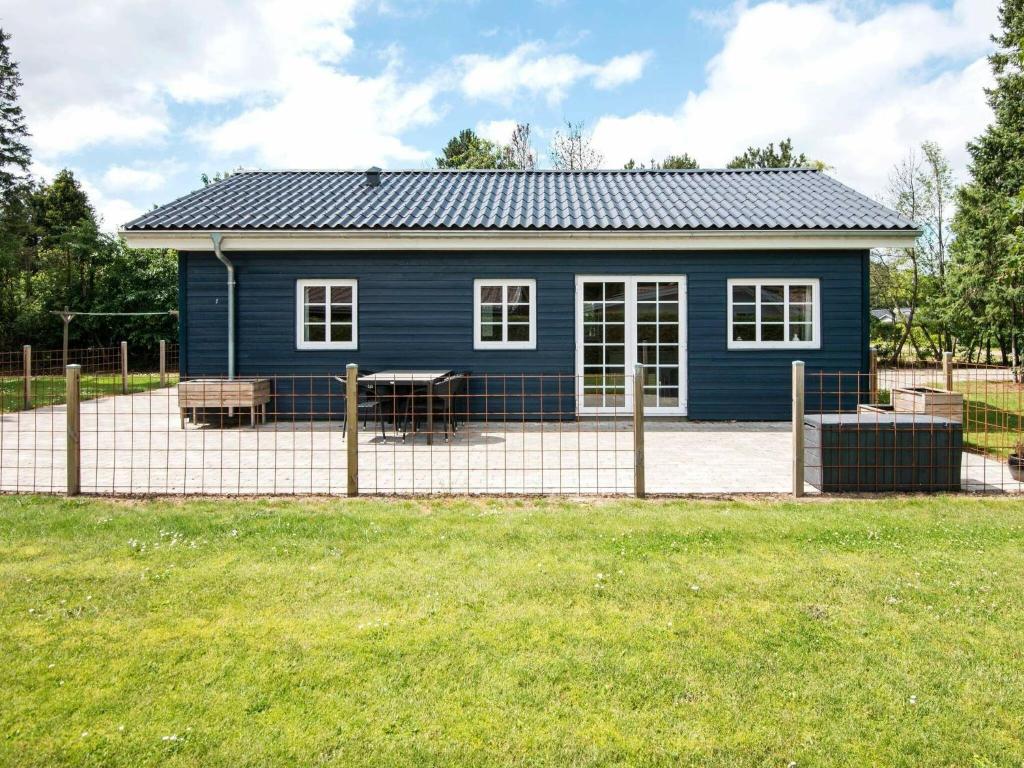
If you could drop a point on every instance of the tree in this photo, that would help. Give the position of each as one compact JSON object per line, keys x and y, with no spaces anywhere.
{"x":573,"y":150}
{"x":467,"y":150}
{"x":769,"y":157}
{"x":671,"y":163}
{"x":519,"y":153}
{"x":983,"y":288}
{"x":14,"y":152}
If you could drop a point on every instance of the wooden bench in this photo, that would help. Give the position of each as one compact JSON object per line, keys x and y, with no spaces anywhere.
{"x":253,"y":394}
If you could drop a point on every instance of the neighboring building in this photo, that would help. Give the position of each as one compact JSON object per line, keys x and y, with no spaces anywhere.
{"x":714,"y":279}
{"x":890,"y":316}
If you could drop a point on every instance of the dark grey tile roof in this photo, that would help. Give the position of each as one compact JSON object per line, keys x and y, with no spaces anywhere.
{"x":526,"y":200}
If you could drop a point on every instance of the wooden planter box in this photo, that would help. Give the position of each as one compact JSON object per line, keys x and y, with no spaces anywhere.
{"x":201,"y":394}
{"x":875,"y":408}
{"x":933,"y":402}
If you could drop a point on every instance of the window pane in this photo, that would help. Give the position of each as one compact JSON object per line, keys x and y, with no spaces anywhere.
{"x":800,"y":293}
{"x":669,"y":354}
{"x":316,"y":333}
{"x":490,"y":313}
{"x":646,"y":291}
{"x":593,"y":291}
{"x":646,"y":313}
{"x":801,"y":332}
{"x":518,"y":332}
{"x":341,"y":313}
{"x":668,"y":312}
{"x":591,"y":333}
{"x":593,"y":313}
{"x":772,"y":332}
{"x":490,"y":294}
{"x":800,"y":313}
{"x":773,"y":293}
{"x":743,"y":313}
{"x":490,"y":332}
{"x":519,"y":313}
{"x":668,"y":291}
{"x":669,"y":397}
{"x":668,"y":377}
{"x":341,"y":294}
{"x":772,"y":313}
{"x":341,"y":332}
{"x":316,"y":313}
{"x":316,"y":294}
{"x":592,"y":355}
{"x":744,"y":332}
{"x":615,"y":355}
{"x":743,"y":293}
{"x":615,"y":334}
{"x":668,"y":333}
{"x":518,"y":294}
{"x":614,"y":291}
{"x":646,"y":332}
{"x":647,"y":354}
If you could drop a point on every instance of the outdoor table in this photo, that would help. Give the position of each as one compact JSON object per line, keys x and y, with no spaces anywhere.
{"x":412,"y":380}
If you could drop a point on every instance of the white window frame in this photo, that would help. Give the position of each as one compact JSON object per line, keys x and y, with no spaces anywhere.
{"x":504,"y":283}
{"x":756,"y":283}
{"x":631,"y":343}
{"x":300,"y":307}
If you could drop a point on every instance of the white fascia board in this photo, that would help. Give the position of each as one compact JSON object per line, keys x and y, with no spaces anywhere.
{"x":466,"y":240}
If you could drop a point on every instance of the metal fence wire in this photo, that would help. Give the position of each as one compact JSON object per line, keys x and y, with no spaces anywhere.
{"x":934,"y":428}
{"x":287,"y":434}
{"x":944,"y":427}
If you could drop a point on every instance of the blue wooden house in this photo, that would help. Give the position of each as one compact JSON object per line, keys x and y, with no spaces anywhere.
{"x":714,"y":280}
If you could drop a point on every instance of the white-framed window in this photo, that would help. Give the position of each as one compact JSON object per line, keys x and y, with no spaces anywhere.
{"x":504,"y":314}
{"x":326,"y":314}
{"x":774,"y":313}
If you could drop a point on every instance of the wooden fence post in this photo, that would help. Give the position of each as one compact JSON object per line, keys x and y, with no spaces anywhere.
{"x":352,"y":422}
{"x":124,"y":367}
{"x":798,"y":428}
{"x":26,"y":357}
{"x":947,"y":369}
{"x":163,"y":363}
{"x":873,"y":375}
{"x":639,"y":471}
{"x":74,"y":421}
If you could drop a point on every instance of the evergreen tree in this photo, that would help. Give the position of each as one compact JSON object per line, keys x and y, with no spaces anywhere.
{"x":467,"y":151}
{"x":769,"y":157}
{"x":984,"y":290}
{"x":14,"y":152}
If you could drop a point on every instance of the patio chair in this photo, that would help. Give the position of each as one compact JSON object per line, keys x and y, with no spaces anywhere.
{"x":446,"y":396}
{"x":368,"y":405}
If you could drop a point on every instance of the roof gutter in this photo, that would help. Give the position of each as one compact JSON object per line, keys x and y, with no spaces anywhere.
{"x":536,"y":240}
{"x":216,"y":238}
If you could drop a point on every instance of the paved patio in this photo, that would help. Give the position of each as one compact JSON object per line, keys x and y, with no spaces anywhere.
{"x":134,"y":444}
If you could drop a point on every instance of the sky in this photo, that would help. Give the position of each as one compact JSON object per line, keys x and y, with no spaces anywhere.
{"x":140,"y":97}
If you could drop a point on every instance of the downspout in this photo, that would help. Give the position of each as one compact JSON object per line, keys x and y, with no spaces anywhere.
{"x":216,"y":237}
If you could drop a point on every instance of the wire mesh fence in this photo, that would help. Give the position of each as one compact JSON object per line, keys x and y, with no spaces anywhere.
{"x":907,"y":429}
{"x":947,"y":427}
{"x":287,"y":434}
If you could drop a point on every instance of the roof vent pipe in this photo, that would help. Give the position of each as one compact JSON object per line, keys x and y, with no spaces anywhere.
{"x":216,"y":237}
{"x":373,"y":177}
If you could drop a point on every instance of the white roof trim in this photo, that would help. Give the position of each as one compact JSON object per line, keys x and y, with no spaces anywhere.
{"x":473,"y":240}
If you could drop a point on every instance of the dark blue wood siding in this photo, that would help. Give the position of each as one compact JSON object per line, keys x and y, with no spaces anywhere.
{"x":416,"y":311}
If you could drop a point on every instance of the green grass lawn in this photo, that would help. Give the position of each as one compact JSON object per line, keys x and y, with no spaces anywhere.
{"x":527,"y":633}
{"x":993,"y":416}
{"x":51,"y":390}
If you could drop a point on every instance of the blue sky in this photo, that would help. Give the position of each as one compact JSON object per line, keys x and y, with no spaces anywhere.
{"x":140,"y":97}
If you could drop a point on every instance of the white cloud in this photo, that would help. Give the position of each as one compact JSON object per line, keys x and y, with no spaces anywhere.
{"x":529,"y":69}
{"x":329,"y":119}
{"x":498,"y":131}
{"x":853,"y":91}
{"x":117,"y":68}
{"x":120,"y":178}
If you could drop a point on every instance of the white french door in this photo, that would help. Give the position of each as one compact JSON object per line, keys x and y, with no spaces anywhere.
{"x":625,"y":320}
